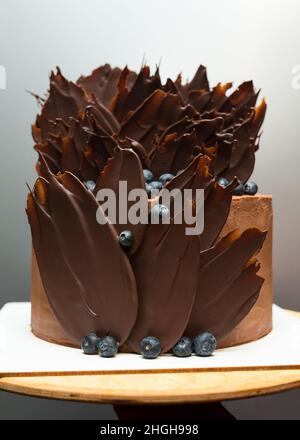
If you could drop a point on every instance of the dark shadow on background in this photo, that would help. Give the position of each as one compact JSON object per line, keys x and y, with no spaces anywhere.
{"x":283,"y":406}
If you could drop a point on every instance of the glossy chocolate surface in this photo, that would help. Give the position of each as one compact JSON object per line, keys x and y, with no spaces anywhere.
{"x":77,"y":261}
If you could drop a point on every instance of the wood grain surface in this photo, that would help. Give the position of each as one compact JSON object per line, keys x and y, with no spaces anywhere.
{"x":156,"y":388}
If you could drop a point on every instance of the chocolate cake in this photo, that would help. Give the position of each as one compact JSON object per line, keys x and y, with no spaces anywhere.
{"x":134,"y":281}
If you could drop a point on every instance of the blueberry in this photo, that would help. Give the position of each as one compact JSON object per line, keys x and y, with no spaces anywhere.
{"x":148,"y":176}
{"x":159,"y":212}
{"x":251,"y":188}
{"x":150,"y":347}
{"x":107,"y":347}
{"x":183,"y":348}
{"x":90,"y":184}
{"x":153,"y":188}
{"x":126,"y":238}
{"x":223,"y":182}
{"x":205,"y":344}
{"x":165,"y":178}
{"x":149,"y":189}
{"x":155,"y":184}
{"x":89,"y":344}
{"x":239,"y":190}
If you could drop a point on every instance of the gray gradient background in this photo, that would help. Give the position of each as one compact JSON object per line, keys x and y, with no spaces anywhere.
{"x":235,"y":39}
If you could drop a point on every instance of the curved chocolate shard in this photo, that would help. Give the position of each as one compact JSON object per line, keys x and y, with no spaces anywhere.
{"x":94,"y":158}
{"x":237,"y":105}
{"x":218,"y":97}
{"x":153,"y":116}
{"x":77,"y":133}
{"x":180,"y":127}
{"x":241,"y":100}
{"x":65,"y":99}
{"x":40,"y":100}
{"x":63,"y":291}
{"x":170,"y":87}
{"x":228,"y":284}
{"x":167,"y":276}
{"x":102,"y":143}
{"x":87,"y":278}
{"x":206,"y":130}
{"x":100,"y":146}
{"x":123,"y":88}
{"x":242,"y":159}
{"x":65,"y":150}
{"x":70,"y":157}
{"x":51,"y":155}
{"x":101,"y":120}
{"x":103,"y":83}
{"x":258,"y":118}
{"x":244,"y":168}
{"x":216,"y":209}
{"x":70,"y":140}
{"x":199,"y":82}
{"x":217,"y":199}
{"x":173,"y":154}
{"x":222,"y":154}
{"x":243,"y":141}
{"x":91,"y":164}
{"x":195,"y":176}
{"x":81,"y":144}
{"x":124,"y":167}
{"x":233,"y":109}
{"x":199,"y":99}
{"x":128,"y":99}
{"x":204,"y":99}
{"x":137,"y":148}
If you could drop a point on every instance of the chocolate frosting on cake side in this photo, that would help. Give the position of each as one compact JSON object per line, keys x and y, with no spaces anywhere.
{"x":106,"y":128}
{"x":247,"y":212}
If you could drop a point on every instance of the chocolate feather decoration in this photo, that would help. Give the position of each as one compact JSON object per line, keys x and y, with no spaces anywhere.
{"x":153,"y":116}
{"x":173,"y":154}
{"x":217,"y":199}
{"x":120,"y":104}
{"x":165,"y":266}
{"x":228,"y":283}
{"x":103,"y":83}
{"x":165,"y":252}
{"x":65,"y":99}
{"x":124,"y":167}
{"x":129,"y":98}
{"x":84,"y":290}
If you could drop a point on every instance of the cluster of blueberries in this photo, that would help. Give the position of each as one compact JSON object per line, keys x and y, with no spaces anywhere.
{"x":154,"y":185}
{"x":151,"y":184}
{"x":203,"y":345}
{"x":159,"y":211}
{"x":249,"y":188}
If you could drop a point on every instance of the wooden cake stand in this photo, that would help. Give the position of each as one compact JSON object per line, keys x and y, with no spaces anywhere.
{"x":157,"y":388}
